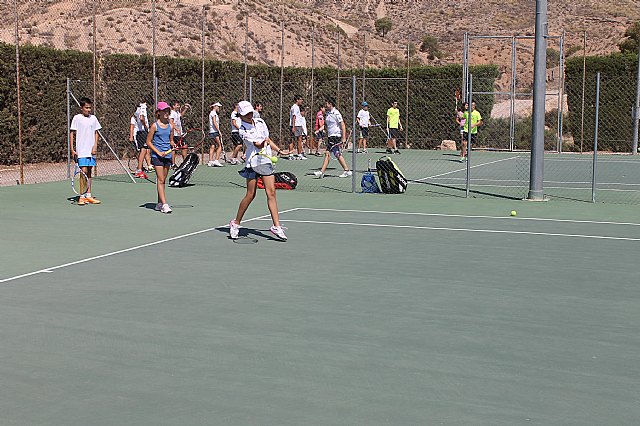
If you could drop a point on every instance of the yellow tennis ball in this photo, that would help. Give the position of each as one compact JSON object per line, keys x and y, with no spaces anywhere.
{"x":274,"y":159}
{"x":514,"y":213}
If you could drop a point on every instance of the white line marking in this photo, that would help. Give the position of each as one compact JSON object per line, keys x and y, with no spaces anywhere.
{"x":489,"y":231}
{"x":113,"y":253}
{"x":590,"y":160}
{"x":462,"y":170}
{"x":468,"y":216}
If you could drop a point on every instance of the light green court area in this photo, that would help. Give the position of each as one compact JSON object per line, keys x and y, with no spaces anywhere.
{"x":379,"y":310}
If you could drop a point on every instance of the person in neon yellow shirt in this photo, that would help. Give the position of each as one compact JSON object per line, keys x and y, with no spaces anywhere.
{"x":476,"y":121}
{"x":393,"y":123}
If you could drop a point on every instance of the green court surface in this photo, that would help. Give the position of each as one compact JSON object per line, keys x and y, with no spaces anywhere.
{"x":379,"y":310}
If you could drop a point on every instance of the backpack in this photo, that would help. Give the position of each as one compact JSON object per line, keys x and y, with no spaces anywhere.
{"x":392,"y":181}
{"x":181,"y":176}
{"x":284,"y":180}
{"x":369,"y":184}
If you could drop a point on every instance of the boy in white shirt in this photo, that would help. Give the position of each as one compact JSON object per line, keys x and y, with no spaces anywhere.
{"x":295,"y":123}
{"x":214,"y":133}
{"x":363,"y":119}
{"x":84,"y":132}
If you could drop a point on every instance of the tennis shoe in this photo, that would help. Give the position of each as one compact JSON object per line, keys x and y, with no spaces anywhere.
{"x":140,"y":174}
{"x":389,"y":151}
{"x":216,"y":163}
{"x":365,"y":150}
{"x":210,"y":164}
{"x":278,"y":232}
{"x":92,"y":200}
{"x":463,"y":159}
{"x":346,"y":173}
{"x":234,"y":229}
{"x":302,"y":157}
{"x":397,"y":151}
{"x":319,"y":174}
{"x":149,"y":169}
{"x":158,"y":207}
{"x":166,"y":208}
{"x":82,"y":201}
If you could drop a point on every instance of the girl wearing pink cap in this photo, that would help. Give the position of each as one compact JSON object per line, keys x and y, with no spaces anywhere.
{"x":160,"y":141}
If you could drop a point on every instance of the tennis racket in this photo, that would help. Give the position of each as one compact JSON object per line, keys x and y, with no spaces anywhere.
{"x":190,"y":141}
{"x":79,"y":180}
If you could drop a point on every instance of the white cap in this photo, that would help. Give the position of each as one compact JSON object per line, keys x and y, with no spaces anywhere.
{"x":216,"y":104}
{"x":245,"y":107}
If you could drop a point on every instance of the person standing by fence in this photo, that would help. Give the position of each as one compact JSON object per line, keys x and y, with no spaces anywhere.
{"x":393,"y":123}
{"x":476,"y":121}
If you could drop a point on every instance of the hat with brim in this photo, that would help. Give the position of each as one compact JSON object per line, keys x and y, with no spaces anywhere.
{"x":245,"y":107}
{"x":162,"y":106}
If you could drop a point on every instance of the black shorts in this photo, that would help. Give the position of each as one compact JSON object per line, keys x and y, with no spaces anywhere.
{"x":320,"y":134}
{"x":236,"y":138}
{"x":474,"y":137}
{"x":141,"y":139}
{"x":364,"y":133}
{"x":334,"y":144}
{"x":160,"y":161}
{"x":394,"y":133}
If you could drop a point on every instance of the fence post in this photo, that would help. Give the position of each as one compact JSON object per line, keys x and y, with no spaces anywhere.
{"x":406,"y":115}
{"x":281,"y":76}
{"x":584,"y":78}
{"x":636,"y":109}
{"x":251,"y":90}
{"x":204,"y":18}
{"x":512,"y":104}
{"x":153,"y":53}
{"x":364,"y":64}
{"x":68,"y":129}
{"x":246,"y":46}
{"x":468,"y":123}
{"x":19,"y":100}
{"x":595,"y":141}
{"x":560,"y":92}
{"x":353,"y":134}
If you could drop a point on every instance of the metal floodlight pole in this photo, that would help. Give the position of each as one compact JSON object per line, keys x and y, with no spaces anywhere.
{"x":19,"y":99}
{"x":512,"y":95}
{"x":536,"y":190}
{"x":561,"y":95}
{"x":153,"y":52}
{"x":246,"y":46}
{"x":353,"y":133}
{"x":636,"y":109}
{"x":313,"y":65}
{"x":595,"y":140}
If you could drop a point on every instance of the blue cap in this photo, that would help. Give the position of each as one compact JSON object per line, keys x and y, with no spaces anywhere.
{"x":365,"y":104}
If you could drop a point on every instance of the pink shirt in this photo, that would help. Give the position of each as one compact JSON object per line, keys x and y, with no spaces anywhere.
{"x":319,"y":120}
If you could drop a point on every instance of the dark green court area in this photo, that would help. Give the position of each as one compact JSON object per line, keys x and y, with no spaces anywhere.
{"x":379,"y":310}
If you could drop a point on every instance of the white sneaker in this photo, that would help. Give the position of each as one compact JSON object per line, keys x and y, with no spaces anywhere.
{"x":318,"y":174}
{"x":210,"y":164}
{"x":302,"y":157}
{"x":166,"y":208}
{"x":347,"y":173}
{"x":278,"y":232}
{"x":158,"y":207}
{"x":359,"y":151}
{"x":234,"y":229}
{"x":216,"y":163}
{"x":234,"y":161}
{"x":365,"y":150}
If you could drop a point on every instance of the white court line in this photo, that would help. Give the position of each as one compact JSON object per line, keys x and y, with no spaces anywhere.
{"x":546,"y":181}
{"x":540,"y":219}
{"x":590,"y":160}
{"x":462,"y":170}
{"x":113,"y":253}
{"x":488,"y":231}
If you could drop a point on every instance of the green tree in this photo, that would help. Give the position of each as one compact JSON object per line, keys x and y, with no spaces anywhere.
{"x":632,"y":39}
{"x":430,"y":46}
{"x":383,"y":25}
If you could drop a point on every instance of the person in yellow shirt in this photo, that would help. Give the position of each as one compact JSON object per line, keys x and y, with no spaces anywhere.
{"x":476,"y":121}
{"x":393,"y":123}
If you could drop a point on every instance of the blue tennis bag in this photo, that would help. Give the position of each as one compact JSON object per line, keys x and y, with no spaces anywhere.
{"x":369,"y":184}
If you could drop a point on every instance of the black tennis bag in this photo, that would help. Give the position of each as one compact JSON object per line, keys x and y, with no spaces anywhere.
{"x":284,"y":180}
{"x":181,"y":176}
{"x":392,"y":181}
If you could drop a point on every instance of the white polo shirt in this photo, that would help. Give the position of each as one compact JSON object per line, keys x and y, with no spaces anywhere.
{"x":177,"y":122}
{"x":295,"y":111}
{"x":141,"y":113}
{"x":332,"y":123}
{"x":214,"y":122}
{"x":251,"y":133}
{"x":235,"y":117}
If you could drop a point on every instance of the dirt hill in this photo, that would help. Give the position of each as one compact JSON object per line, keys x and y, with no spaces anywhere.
{"x":124,"y":26}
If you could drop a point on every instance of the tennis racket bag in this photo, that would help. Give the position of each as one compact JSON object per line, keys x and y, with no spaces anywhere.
{"x":284,"y":180}
{"x":369,"y":184}
{"x":183,"y":173}
{"x":392,"y":181}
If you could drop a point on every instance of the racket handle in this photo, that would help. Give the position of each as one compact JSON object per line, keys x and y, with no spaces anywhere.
{"x":167,"y":151}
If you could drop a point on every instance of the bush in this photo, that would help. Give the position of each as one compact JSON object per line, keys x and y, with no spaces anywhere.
{"x":383,"y":25}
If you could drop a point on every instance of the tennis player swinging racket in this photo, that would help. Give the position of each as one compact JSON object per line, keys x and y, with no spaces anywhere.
{"x":259,"y":152}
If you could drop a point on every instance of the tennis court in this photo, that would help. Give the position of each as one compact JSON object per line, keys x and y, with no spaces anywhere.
{"x":378,"y":310}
